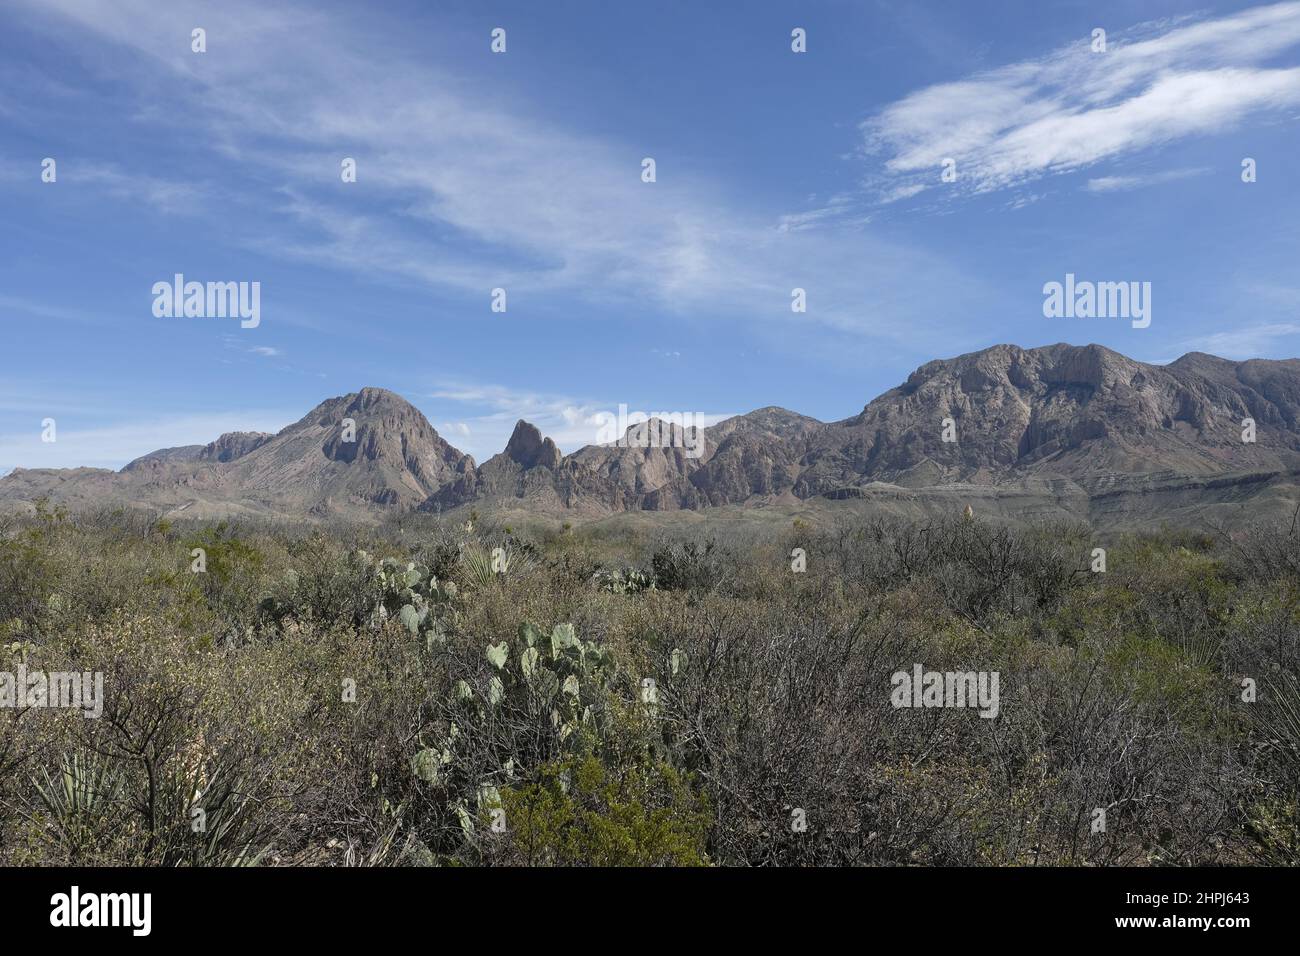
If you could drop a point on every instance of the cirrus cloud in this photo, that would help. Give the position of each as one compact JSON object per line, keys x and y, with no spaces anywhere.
{"x":1075,"y":108}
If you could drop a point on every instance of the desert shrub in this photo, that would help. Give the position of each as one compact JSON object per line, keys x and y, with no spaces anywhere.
{"x":359,"y":696}
{"x":688,"y":566}
{"x":324,"y":584}
{"x":230,"y":580}
{"x":578,"y":812}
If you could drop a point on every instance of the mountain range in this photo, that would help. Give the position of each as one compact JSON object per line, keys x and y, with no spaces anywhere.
{"x":1057,"y":431}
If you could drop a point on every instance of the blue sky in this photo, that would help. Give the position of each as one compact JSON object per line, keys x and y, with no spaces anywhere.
{"x":522,"y":170}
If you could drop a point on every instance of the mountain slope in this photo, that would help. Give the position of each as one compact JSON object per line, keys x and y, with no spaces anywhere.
{"x":1077,"y":430}
{"x":1077,"y":412}
{"x":347,"y":456}
{"x":390,"y":456}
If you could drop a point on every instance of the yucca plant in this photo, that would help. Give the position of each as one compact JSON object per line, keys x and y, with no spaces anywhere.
{"x":1274,"y":825}
{"x":476,"y":564}
{"x":215,"y":820}
{"x":483,"y":568}
{"x":83,"y":801}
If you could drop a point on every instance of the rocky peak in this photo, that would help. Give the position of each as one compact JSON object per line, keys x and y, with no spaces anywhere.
{"x":528,"y":449}
{"x":371,"y":445}
{"x":386,"y":427}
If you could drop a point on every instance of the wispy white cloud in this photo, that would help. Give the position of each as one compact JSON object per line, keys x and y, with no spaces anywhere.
{"x":1022,"y":200}
{"x":1252,"y":341}
{"x":165,"y":195}
{"x":16,"y":309}
{"x":113,"y":445}
{"x":462,"y":191}
{"x":1075,"y":108}
{"x":1123,"y":183}
{"x":234,"y":343}
{"x":838,"y":209}
{"x":170,"y":196}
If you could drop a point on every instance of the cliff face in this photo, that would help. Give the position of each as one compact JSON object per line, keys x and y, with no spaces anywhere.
{"x":1079,"y":412}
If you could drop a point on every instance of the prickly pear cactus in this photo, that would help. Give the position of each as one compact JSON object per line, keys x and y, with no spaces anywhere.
{"x":554,"y":682}
{"x":425,"y":606}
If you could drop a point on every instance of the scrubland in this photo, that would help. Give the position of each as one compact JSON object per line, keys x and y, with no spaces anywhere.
{"x":431,"y":692}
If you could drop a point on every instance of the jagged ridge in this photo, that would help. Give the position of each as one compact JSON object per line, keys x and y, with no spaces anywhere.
{"x":1079,"y":414}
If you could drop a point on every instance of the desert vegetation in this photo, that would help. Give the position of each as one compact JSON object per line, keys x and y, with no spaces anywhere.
{"x":457,"y":692}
